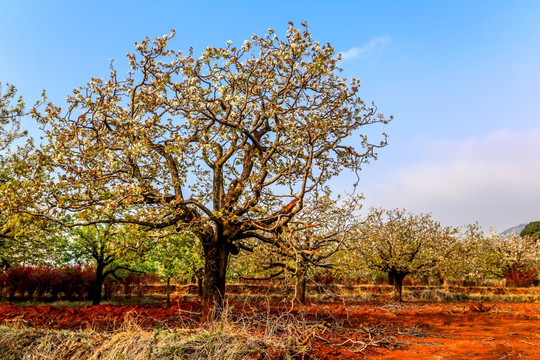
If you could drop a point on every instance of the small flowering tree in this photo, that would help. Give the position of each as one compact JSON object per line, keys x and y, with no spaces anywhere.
{"x":503,"y":256}
{"x":176,"y":256}
{"x":226,"y":145}
{"x":468,"y":261}
{"x":309,"y":243}
{"x":400,"y":244}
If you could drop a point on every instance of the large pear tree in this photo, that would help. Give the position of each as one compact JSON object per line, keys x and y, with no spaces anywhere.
{"x":225,"y":145}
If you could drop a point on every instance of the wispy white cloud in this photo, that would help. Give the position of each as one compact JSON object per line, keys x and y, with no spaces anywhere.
{"x":361,"y":51}
{"x":494,"y":180}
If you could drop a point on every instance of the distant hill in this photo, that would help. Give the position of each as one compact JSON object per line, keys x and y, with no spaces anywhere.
{"x":514,"y":230}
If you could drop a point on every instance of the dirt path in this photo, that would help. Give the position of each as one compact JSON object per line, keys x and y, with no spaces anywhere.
{"x":504,"y":332}
{"x":456,"y":331}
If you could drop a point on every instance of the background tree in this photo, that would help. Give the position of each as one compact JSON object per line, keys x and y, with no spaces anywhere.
{"x":111,"y":248}
{"x":468,"y":261}
{"x":177,"y":256}
{"x":226,"y":145}
{"x":505,"y":255}
{"x":532,"y":229}
{"x":400,"y":243}
{"x":308,"y":243}
{"x":18,"y":232}
{"x":11,"y":110}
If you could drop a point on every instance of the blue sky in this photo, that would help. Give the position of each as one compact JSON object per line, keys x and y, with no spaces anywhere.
{"x":462,"y":79}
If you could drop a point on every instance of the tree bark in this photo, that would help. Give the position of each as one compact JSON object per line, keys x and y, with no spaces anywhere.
{"x":398,"y":285}
{"x":301,"y":286}
{"x":200,"y":285}
{"x":96,"y":294}
{"x":216,"y":256}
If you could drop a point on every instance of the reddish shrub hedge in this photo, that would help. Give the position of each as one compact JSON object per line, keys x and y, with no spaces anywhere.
{"x":66,"y":283}
{"x":519,"y":276}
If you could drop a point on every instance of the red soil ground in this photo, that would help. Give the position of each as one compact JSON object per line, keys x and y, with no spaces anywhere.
{"x":392,"y":331}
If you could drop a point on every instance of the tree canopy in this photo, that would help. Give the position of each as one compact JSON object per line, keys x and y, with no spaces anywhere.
{"x":12,"y":108}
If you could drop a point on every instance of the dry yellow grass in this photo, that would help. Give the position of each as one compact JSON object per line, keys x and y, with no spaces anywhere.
{"x":281,"y":337}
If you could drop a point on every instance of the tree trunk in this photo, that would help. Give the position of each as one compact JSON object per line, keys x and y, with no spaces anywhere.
{"x":398,"y":286}
{"x":96,"y":294}
{"x":440,"y":278}
{"x":5,"y":265}
{"x":301,"y":286}
{"x":216,"y":257}
{"x":200,"y":285}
